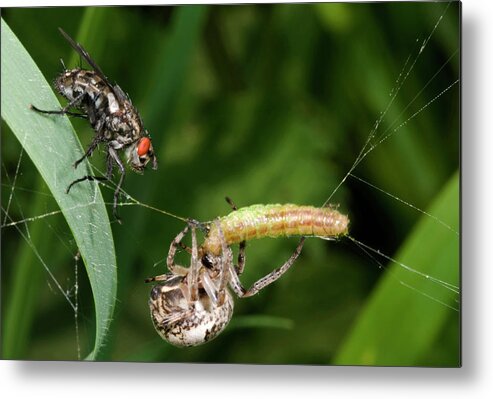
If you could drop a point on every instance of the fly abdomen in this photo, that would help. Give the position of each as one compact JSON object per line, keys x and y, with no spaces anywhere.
{"x":76,"y":82}
{"x":259,"y":221}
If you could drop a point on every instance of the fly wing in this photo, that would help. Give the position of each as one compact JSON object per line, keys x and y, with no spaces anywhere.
{"x":82,"y":51}
{"x":120,"y":94}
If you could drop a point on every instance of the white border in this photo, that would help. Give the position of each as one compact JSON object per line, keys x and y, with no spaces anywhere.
{"x":474,"y":380}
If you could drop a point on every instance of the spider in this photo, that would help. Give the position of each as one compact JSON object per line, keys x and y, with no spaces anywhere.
{"x":191,"y":306}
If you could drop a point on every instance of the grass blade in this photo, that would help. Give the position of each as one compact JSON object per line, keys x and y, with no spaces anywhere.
{"x":52,"y":145}
{"x":386,"y":333}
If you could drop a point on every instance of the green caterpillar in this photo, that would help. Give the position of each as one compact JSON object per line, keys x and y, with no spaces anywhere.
{"x":275,"y":220}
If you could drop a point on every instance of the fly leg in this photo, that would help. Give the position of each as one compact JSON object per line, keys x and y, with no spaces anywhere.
{"x":64,"y":110}
{"x":88,"y":178}
{"x":112,"y":153}
{"x":112,"y":157}
{"x":94,"y":143}
{"x":69,"y":113}
{"x":109,"y":166}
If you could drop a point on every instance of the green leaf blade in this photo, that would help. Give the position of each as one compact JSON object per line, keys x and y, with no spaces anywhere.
{"x":388,"y":332}
{"x":53,"y":146}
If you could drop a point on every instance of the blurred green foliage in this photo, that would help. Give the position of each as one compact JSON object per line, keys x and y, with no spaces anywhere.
{"x":265,"y":104}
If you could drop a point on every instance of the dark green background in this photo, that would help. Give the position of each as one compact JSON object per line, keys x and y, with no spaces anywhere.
{"x":266,"y":104}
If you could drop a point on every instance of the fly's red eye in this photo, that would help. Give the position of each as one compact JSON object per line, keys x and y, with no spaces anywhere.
{"x":144,"y":145}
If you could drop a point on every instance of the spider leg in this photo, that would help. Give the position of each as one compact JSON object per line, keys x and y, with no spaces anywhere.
{"x":193,"y":274}
{"x":175,"y":270}
{"x":176,"y":317}
{"x":241,"y":259}
{"x":161,"y":277}
{"x":266,"y":280}
{"x":210,"y":287}
{"x":235,"y":283}
{"x":241,"y":254}
{"x":217,"y":293}
{"x":226,"y":263}
{"x":170,"y":260}
{"x":185,"y":247}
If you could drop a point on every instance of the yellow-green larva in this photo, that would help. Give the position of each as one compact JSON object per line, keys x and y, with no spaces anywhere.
{"x":275,"y":220}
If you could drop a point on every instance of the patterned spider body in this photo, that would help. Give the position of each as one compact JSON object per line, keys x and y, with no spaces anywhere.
{"x":197,"y":322}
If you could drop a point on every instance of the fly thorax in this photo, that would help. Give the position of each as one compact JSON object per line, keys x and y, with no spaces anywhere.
{"x":113,"y":105}
{"x":99,"y":101}
{"x":117,"y":123}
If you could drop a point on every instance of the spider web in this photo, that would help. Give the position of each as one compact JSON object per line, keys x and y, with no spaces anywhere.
{"x":21,"y":230}
{"x":380,"y":134}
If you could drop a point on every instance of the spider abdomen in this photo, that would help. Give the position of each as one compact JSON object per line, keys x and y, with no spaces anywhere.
{"x":185,"y":323}
{"x":276,"y":220}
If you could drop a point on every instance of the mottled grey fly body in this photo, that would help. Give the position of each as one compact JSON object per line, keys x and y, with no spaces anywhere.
{"x":116,"y":122}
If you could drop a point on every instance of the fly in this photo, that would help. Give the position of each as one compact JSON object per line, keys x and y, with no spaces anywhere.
{"x":116,"y":122}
